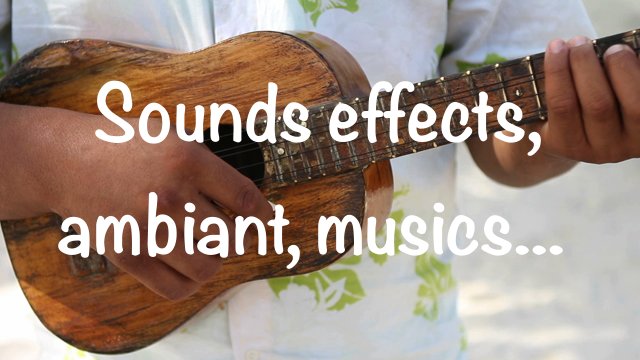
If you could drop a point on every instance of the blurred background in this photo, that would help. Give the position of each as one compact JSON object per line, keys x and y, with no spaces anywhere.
{"x":583,"y":304}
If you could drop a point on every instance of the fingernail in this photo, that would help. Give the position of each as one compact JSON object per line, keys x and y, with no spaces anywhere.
{"x":578,"y":41}
{"x":618,"y":48}
{"x":557,"y":46}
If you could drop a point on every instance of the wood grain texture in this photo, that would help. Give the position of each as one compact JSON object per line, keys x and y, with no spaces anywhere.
{"x":89,"y":302}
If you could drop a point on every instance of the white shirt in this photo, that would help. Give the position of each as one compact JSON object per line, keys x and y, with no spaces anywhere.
{"x":363,"y":307}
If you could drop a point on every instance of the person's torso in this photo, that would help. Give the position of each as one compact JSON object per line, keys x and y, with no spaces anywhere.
{"x":361,"y":307}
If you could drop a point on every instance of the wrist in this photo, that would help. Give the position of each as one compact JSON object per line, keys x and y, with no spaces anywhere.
{"x":33,"y":154}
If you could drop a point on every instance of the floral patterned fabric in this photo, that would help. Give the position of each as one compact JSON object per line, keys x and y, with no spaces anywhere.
{"x":371,"y":306}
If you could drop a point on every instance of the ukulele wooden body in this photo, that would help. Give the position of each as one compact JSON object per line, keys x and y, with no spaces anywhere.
{"x":90,"y":303}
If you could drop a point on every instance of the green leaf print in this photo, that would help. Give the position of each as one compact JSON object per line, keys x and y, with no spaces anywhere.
{"x":14,"y":54}
{"x":280,"y":284}
{"x":335,"y":288}
{"x":72,"y":353}
{"x":332,"y":289}
{"x":14,"y":58}
{"x":318,"y":7}
{"x":442,"y":50}
{"x":350,"y":260}
{"x":398,"y":216}
{"x":345,"y":289}
{"x":491,"y":59}
{"x":464,"y":341}
{"x":2,"y":65}
{"x":437,"y":279}
{"x":439,"y":50}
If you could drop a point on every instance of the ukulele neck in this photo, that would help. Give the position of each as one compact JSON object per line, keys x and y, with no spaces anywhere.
{"x":519,"y":81}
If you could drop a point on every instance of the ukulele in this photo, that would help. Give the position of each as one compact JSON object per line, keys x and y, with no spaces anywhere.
{"x":94,"y":306}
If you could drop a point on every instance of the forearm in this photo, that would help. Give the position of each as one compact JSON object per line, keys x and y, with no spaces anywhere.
{"x":25,"y":135}
{"x":510,"y":165}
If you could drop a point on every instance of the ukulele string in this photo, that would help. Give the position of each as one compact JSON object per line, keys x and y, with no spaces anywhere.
{"x":432,"y":101}
{"x":479,"y":71}
{"x":435,"y":101}
{"x":532,"y":76}
{"x":527,"y":118}
{"x":377,"y":152}
{"x":223,"y":154}
{"x":331,"y":161}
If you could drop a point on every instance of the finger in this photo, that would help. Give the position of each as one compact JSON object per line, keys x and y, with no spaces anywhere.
{"x":204,"y":209}
{"x":564,"y":127}
{"x":226,"y":186}
{"x":600,"y":116}
{"x":623,"y":68}
{"x":156,"y":275}
{"x":197,"y":265}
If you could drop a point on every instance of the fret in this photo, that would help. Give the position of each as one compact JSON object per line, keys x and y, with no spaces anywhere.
{"x":425,"y":96}
{"x":319,"y":156}
{"x":410,"y":98}
{"x":305,"y":160}
{"x":333,"y":148}
{"x":503,"y":89}
{"x":634,"y":36}
{"x":473,"y":89}
{"x":316,"y":146}
{"x":353,"y":145}
{"x":442,"y":83}
{"x":381,"y":105}
{"x":472,"y":86}
{"x":335,"y":156}
{"x":350,"y":147}
{"x":507,"y":74}
{"x":519,"y":86}
{"x":535,"y":86}
{"x":327,"y":144}
{"x":302,"y":150}
{"x":371,"y":151}
{"x":403,"y":133}
{"x":289,"y":153}
{"x":276,"y":161}
{"x":386,"y":124}
{"x":402,"y":101}
{"x":352,"y":154}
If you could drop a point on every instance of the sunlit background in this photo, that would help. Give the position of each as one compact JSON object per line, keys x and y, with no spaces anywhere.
{"x":583,"y":304}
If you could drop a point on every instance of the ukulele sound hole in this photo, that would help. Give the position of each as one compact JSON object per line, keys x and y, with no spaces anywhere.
{"x":245,"y":156}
